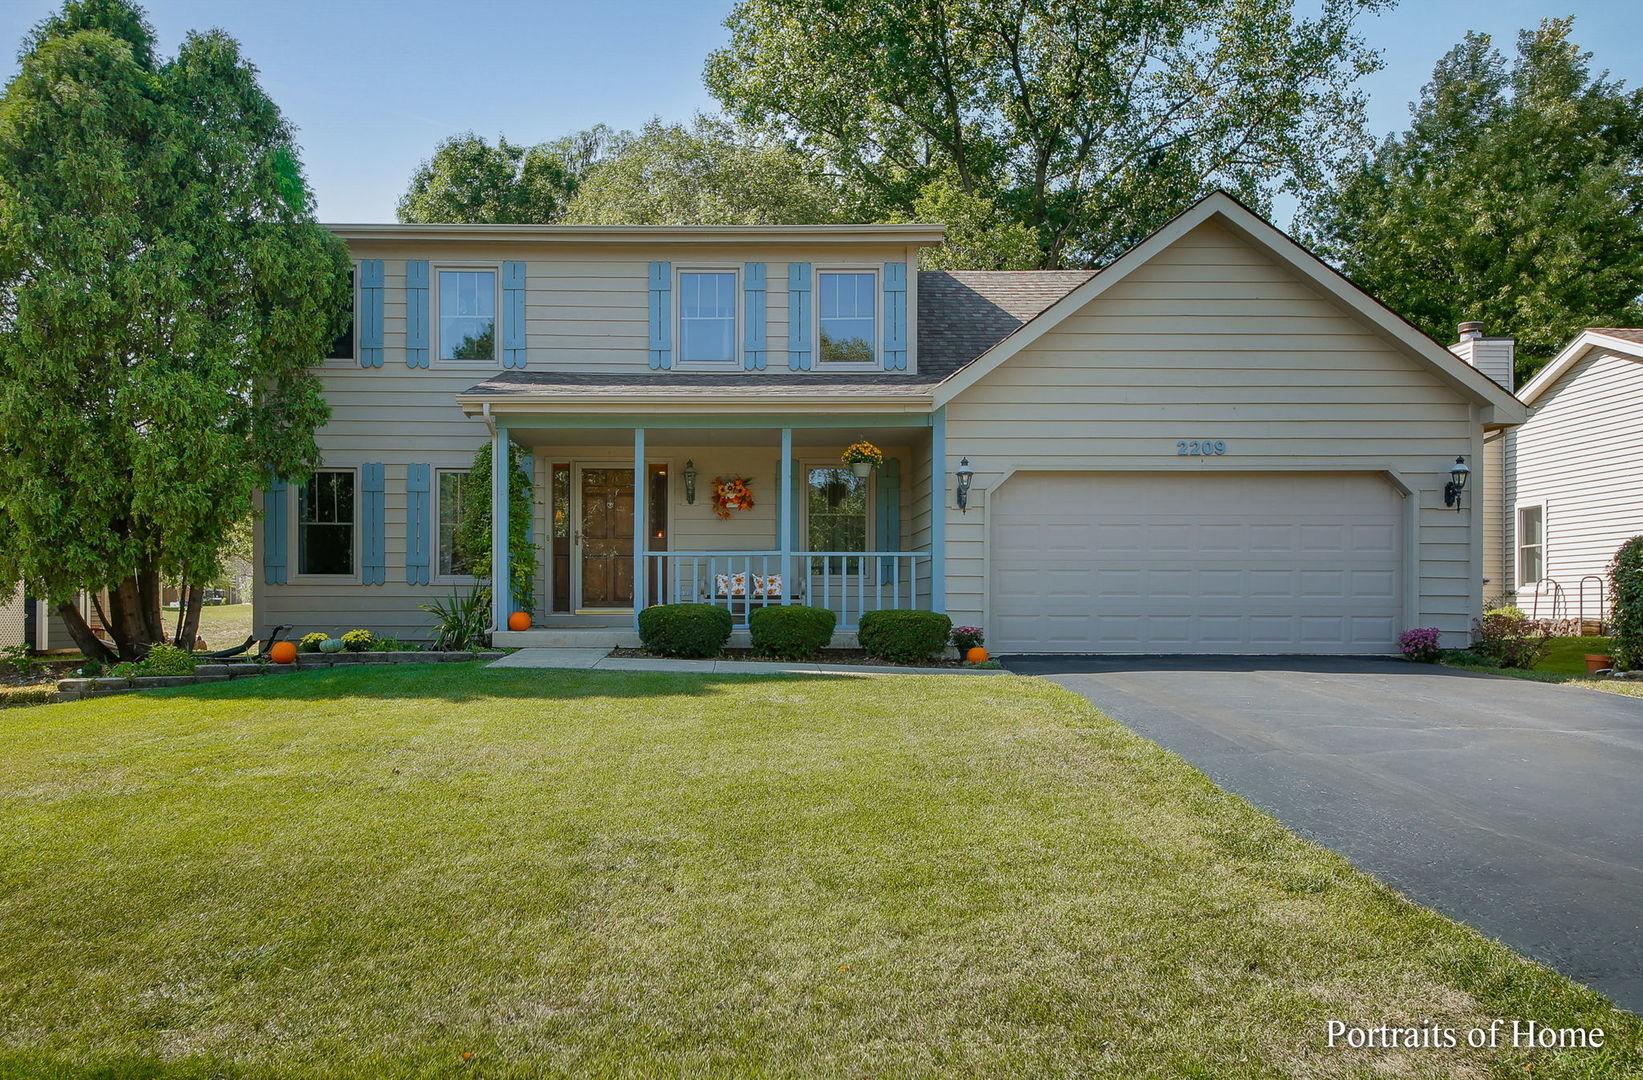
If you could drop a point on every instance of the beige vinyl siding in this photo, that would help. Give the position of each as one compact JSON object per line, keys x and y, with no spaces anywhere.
{"x":1577,"y":455}
{"x":1213,"y":339}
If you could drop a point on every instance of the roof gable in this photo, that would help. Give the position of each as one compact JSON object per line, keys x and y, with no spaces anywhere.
{"x":1625,"y":340}
{"x":1499,"y":406}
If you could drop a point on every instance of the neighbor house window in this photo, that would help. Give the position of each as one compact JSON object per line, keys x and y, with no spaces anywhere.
{"x":1531,"y":544}
{"x":835,"y":515}
{"x":343,"y":347}
{"x":707,"y":317}
{"x":325,"y":523}
{"x":457,"y":491}
{"x":847,"y":316}
{"x":467,"y":314}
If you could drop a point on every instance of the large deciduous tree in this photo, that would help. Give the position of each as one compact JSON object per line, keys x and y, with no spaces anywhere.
{"x":705,"y":174}
{"x":1515,"y":198}
{"x":164,"y":292}
{"x":1088,"y":121}
{"x":471,"y":182}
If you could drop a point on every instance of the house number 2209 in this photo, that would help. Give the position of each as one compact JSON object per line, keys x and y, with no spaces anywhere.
{"x":1200,"y":447}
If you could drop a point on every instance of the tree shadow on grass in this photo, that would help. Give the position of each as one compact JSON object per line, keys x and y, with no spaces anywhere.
{"x":469,"y":682}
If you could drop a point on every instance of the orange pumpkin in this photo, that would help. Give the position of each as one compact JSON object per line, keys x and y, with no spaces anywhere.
{"x":519,"y":620}
{"x":283,"y":652}
{"x":976,"y":655}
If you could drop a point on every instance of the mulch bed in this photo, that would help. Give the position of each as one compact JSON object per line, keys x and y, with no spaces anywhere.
{"x":828,"y":656}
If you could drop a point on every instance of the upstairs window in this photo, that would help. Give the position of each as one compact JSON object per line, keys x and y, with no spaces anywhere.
{"x":707,"y":317}
{"x":1531,"y":544}
{"x":847,"y":316}
{"x":343,"y":347}
{"x":325,"y":523}
{"x":467,"y":315}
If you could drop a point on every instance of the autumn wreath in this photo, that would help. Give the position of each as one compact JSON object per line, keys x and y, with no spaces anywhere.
{"x":731,"y":493}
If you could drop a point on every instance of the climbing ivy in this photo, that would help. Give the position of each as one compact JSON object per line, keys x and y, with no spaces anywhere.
{"x":473,"y":528}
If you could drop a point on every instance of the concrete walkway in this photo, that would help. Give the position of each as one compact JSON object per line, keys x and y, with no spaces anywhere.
{"x":601,"y":660}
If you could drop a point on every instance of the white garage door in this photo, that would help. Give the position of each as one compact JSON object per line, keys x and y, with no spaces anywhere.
{"x":1195,"y":563}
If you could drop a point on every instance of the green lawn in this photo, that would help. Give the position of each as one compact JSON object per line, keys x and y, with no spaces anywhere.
{"x":1566,"y":664}
{"x":375,"y":872}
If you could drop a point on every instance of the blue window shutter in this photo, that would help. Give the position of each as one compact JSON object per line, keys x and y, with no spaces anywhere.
{"x":416,"y":313}
{"x":798,"y":316}
{"x":895,"y":316}
{"x":370,"y":313}
{"x":661,"y":315}
{"x":757,"y":348}
{"x":418,"y":481}
{"x":513,"y":315}
{"x":373,"y":544}
{"x":887,"y":514}
{"x":275,"y":500}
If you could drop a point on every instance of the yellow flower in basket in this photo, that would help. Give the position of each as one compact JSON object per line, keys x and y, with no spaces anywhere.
{"x":862,"y":457}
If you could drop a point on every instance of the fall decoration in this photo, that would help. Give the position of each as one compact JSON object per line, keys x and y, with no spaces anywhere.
{"x":519,"y":620}
{"x":283,"y":652}
{"x":731,"y":493}
{"x":977,"y":655}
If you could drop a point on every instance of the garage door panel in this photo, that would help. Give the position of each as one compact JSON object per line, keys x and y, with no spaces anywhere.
{"x":1229,"y":563}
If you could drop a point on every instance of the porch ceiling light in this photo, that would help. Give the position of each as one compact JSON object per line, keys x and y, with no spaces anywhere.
{"x":690,"y":482}
{"x":965,"y":474}
{"x":1457,"y":483}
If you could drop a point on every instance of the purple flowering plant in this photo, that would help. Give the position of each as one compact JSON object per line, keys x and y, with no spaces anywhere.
{"x":1421,"y":645}
{"x":966,"y":638}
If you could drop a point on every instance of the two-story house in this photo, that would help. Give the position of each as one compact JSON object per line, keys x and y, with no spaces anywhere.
{"x":1214,"y":445}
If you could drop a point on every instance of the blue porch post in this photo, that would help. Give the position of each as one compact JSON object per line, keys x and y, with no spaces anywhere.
{"x":501,"y":579}
{"x":785,"y":479}
{"x":938,"y":510}
{"x":641,"y":526}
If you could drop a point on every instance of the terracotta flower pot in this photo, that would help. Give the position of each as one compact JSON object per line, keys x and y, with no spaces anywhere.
{"x":1596,"y":663}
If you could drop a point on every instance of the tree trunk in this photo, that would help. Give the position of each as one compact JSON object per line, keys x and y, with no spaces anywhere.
{"x":191,"y":624}
{"x":126,"y":622}
{"x":148,"y":596}
{"x":90,"y":646}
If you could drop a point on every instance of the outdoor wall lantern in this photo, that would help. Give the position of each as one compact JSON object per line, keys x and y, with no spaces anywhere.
{"x":690,"y":482}
{"x":1457,"y":483}
{"x":965,"y":474}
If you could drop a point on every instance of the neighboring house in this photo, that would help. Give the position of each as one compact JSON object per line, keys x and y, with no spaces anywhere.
{"x":1571,"y":492}
{"x":1214,"y":445}
{"x":26,"y":620}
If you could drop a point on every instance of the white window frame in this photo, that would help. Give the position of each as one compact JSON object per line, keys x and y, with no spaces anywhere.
{"x":351,"y":361}
{"x":294,"y":536}
{"x":807,"y":464}
{"x":739,"y":296}
{"x":439,"y":576}
{"x":435,"y":331}
{"x":1518,"y":545}
{"x":877,"y":363}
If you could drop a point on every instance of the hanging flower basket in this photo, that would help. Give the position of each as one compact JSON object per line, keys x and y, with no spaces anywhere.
{"x":731,"y":493}
{"x":862,"y":457}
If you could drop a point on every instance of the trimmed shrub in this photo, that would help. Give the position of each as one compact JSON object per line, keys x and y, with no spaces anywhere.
{"x":311,"y":642}
{"x":1421,"y":645}
{"x":904,"y":637}
{"x":1512,"y":639}
{"x":794,"y":632}
{"x":692,"y":631}
{"x":358,"y":640}
{"x":1626,"y":592}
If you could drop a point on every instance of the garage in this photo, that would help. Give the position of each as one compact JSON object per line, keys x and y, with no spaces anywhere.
{"x":1222,"y":562}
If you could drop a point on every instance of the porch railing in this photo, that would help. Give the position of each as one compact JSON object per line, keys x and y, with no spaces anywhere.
{"x":849,"y":583}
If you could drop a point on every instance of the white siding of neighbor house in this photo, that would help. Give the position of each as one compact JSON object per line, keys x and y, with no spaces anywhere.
{"x":1577,"y":454}
{"x":1214,"y":339}
{"x":586,"y":310}
{"x":1493,"y":493}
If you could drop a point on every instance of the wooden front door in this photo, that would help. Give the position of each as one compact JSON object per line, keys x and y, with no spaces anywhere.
{"x":604,"y":537}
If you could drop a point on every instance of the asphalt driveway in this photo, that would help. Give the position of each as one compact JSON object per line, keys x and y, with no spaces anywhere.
{"x":1513,"y":806}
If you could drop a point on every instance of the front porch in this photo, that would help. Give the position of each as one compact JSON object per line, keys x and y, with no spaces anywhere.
{"x":811,"y":532}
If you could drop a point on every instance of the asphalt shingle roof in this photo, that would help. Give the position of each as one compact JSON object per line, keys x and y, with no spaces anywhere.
{"x":1622,"y":332}
{"x":962,"y":314}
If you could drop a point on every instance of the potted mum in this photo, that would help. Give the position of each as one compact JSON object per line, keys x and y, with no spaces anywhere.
{"x":862,"y":457}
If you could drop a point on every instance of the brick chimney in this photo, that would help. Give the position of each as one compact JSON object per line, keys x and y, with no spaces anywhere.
{"x":1494,"y":356}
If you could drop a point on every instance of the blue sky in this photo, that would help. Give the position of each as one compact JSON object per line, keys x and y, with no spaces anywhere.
{"x":373,"y":84}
